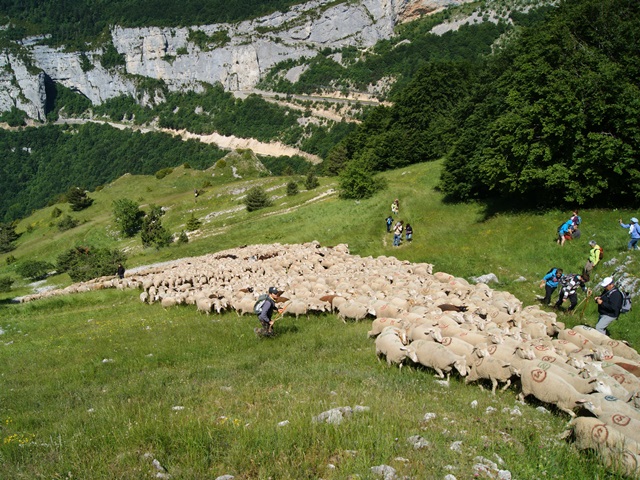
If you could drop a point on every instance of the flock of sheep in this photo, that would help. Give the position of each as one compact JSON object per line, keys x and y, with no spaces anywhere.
{"x":436,"y":320}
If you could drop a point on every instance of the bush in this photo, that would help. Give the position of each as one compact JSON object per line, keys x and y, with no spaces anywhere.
{"x":256,"y":199}
{"x":10,"y":259}
{"x":78,"y":199}
{"x":67,"y":223}
{"x":193,"y":224}
{"x":292,"y":189}
{"x":83,"y":263}
{"x":34,"y":269}
{"x":5,"y":284}
{"x":183,"y":238}
{"x":128,"y":216}
{"x":160,"y":174}
{"x":311,"y":181}
{"x":152,"y":232}
{"x":56,"y":212}
{"x":358,"y":181}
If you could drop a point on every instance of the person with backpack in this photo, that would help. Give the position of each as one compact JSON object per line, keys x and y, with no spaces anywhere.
{"x":595,"y":255}
{"x":569,"y":285}
{"x":609,"y":304}
{"x":634,"y":231}
{"x":266,"y":312}
{"x":550,"y":283}
{"x":564,"y":231}
{"x":408,"y":231}
{"x":397,"y":233}
{"x":389,"y":221}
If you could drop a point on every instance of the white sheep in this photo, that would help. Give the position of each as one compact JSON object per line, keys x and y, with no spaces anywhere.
{"x":550,"y":388}
{"x":437,"y":357}
{"x":354,"y":311}
{"x":391,"y":346}
{"x":380,"y":323}
{"x":490,"y":368}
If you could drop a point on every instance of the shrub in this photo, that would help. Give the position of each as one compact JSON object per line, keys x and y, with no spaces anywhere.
{"x":5,"y":284}
{"x":292,"y":189}
{"x":10,"y":259}
{"x":311,"y":181}
{"x":8,"y":236}
{"x":56,"y":212}
{"x":193,"y":224}
{"x":78,"y":199}
{"x":152,"y":232}
{"x":256,"y":199}
{"x":160,"y":174}
{"x":67,"y":223}
{"x":183,"y":238}
{"x":83,"y":263}
{"x":358,"y":181}
{"x":128,"y":216}
{"x":34,"y":269}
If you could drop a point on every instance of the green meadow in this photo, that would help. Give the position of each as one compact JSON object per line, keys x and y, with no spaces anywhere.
{"x":100,"y":385}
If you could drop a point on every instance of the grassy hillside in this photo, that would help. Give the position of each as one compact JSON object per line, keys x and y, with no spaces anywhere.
{"x":99,"y":385}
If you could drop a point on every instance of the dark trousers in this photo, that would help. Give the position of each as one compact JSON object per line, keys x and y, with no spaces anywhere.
{"x":573,"y":298}
{"x":548,"y":292}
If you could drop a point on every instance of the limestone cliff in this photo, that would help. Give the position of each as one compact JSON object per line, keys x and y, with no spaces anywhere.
{"x":236,"y":55}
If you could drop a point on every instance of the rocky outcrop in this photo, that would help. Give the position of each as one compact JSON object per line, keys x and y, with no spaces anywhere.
{"x":235,"y":55}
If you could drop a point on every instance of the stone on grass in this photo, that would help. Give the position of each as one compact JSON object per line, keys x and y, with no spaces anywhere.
{"x":385,"y":471}
{"x":486,"y":279}
{"x":418,"y":442}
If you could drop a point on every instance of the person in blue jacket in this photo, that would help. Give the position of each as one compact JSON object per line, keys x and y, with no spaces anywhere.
{"x":550,"y":283}
{"x":634,"y":231}
{"x":566,"y":227}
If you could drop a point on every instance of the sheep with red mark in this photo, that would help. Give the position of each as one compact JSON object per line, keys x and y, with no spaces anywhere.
{"x":435,"y":356}
{"x":489,"y":368}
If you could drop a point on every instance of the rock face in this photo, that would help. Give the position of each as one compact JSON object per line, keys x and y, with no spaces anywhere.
{"x":235,"y":55}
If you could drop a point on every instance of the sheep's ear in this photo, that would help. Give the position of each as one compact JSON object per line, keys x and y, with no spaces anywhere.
{"x":404,"y":349}
{"x":582,"y":401}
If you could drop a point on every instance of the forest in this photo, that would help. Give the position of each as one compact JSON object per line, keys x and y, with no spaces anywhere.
{"x":550,"y":119}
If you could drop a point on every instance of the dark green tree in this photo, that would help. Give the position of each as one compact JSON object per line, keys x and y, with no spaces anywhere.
{"x":78,"y":199}
{"x":153,"y":232}
{"x":128,"y":216}
{"x":183,"y":237}
{"x":292,"y":189}
{"x":193,"y":224}
{"x":256,"y":199}
{"x":358,"y":180}
{"x":5,"y":284}
{"x":67,"y":223}
{"x":311,"y":181}
{"x":83,"y":263}
{"x":34,"y":269}
{"x":8,"y":236}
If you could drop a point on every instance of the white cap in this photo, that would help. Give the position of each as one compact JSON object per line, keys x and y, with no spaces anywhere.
{"x":606,"y":281}
{"x":634,"y":220}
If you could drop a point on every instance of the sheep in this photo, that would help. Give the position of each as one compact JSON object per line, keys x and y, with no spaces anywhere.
{"x":581,"y":385}
{"x":353,"y":310}
{"x":625,"y":424}
{"x":602,"y":404}
{"x":623,"y":350}
{"x":437,"y":357}
{"x":457,"y":346}
{"x":296,"y":307}
{"x":592,"y":334}
{"x":489,"y":368}
{"x":614,"y":446}
{"x":550,"y":388}
{"x":380,"y":323}
{"x":390,"y":345}
{"x":577,"y":339}
{"x":243,"y":305}
{"x":425,"y":332}
{"x":516,"y":356}
{"x":204,"y":304}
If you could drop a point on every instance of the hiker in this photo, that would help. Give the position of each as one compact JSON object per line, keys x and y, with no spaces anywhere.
{"x":394,"y":207}
{"x":550,"y":283}
{"x":266,"y":312}
{"x":120,"y":271}
{"x":195,"y":195}
{"x":563,"y":231}
{"x":397,"y":233}
{"x":634,"y":231}
{"x":595,"y":255}
{"x":569,"y":285}
{"x":575,"y":218}
{"x":408,"y":232}
{"x":609,"y":305}
{"x":389,"y":221}
{"x":574,"y":233}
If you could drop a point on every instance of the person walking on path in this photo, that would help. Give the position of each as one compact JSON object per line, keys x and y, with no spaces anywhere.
{"x":634,"y":231}
{"x":394,"y":207}
{"x":408,"y":231}
{"x":565,"y":229}
{"x":389,"y":221}
{"x":569,"y":285}
{"x":550,"y":283}
{"x":609,"y":305}
{"x":266,"y":312}
{"x":595,"y":254}
{"x":397,"y":233}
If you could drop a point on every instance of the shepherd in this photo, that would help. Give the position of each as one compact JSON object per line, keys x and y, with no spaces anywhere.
{"x":266,"y":312}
